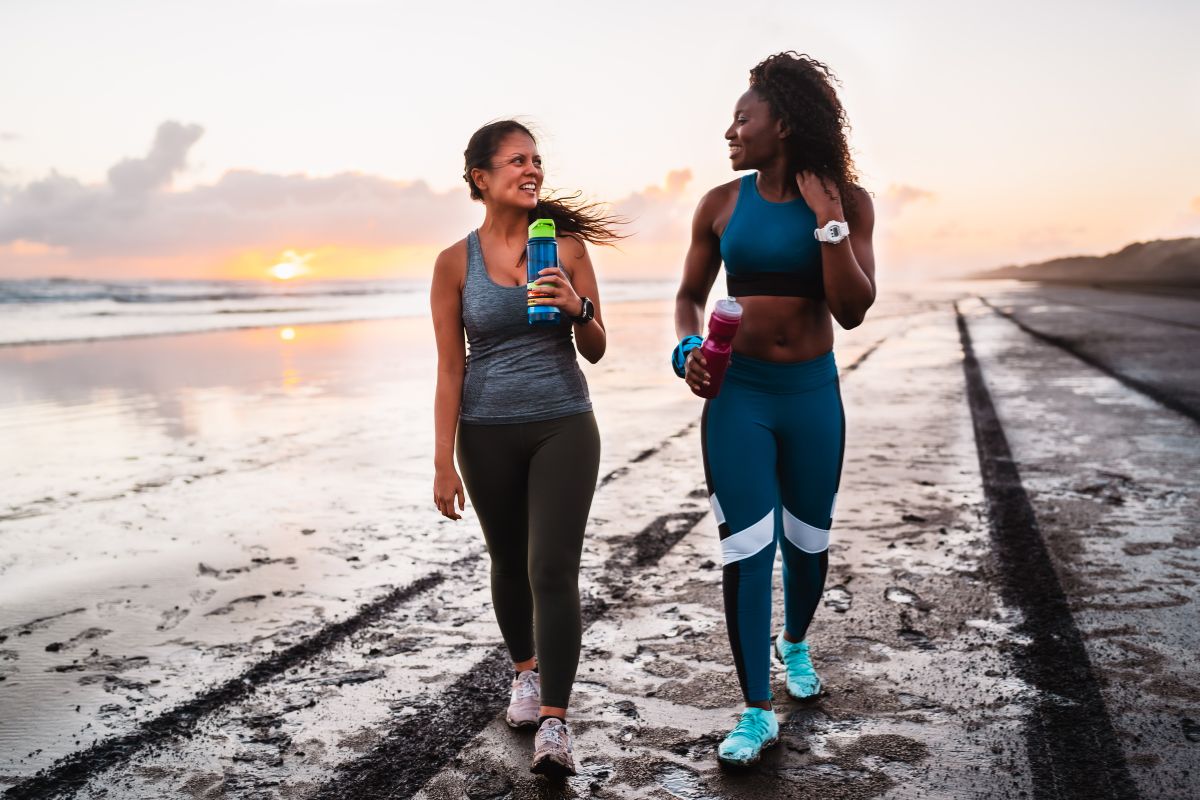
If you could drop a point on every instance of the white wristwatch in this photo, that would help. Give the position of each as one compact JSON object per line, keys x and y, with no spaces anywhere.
{"x":832,"y":232}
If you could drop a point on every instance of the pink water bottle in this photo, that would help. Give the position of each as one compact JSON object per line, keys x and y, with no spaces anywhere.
{"x":718,"y":347}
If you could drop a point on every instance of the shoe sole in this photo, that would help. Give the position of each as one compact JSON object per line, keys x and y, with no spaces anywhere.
{"x":729,"y":762}
{"x":520,"y":725}
{"x":552,"y":769}
{"x":779,"y":656}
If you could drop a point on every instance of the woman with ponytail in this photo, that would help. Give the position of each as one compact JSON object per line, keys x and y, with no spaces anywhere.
{"x":515,"y":409}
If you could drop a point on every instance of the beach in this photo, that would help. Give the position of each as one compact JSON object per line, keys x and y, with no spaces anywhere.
{"x":222,"y":574}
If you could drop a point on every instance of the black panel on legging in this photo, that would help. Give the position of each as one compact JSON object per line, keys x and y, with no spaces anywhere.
{"x":531,"y":484}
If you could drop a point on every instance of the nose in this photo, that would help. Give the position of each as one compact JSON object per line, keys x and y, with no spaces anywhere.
{"x":730,"y":133}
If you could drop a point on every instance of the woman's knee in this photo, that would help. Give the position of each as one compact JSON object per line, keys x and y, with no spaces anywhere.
{"x":548,"y":581}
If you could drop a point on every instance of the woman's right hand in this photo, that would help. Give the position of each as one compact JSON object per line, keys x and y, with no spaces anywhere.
{"x":447,"y":487}
{"x":695,"y":373}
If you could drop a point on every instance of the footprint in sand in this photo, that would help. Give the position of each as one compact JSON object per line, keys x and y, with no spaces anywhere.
{"x":172,"y":617}
{"x":838,"y":598}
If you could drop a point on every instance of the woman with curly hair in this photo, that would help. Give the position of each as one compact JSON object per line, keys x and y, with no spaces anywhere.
{"x":795,"y":238}
{"x":517,"y":407}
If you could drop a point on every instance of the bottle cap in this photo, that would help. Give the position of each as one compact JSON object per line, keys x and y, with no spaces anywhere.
{"x":542,"y":229}
{"x":728,"y":308}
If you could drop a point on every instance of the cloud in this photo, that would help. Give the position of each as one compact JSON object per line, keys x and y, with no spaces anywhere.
{"x":135,"y":215}
{"x":659,"y":213}
{"x":9,"y":136}
{"x":1195,"y":206}
{"x":136,"y":177}
{"x":134,"y":223}
{"x":899,"y":195}
{"x":660,"y":227}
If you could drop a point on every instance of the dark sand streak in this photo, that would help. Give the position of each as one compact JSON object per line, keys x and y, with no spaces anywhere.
{"x":1072,"y":748}
{"x":853,"y":365}
{"x":71,"y":772}
{"x":1153,"y":392}
{"x":1120,"y":313}
{"x":417,"y":749}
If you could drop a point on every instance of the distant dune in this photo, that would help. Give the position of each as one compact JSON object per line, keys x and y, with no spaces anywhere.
{"x":1165,"y":262}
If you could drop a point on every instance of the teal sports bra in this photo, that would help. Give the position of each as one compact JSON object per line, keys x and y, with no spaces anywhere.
{"x":769,"y":248}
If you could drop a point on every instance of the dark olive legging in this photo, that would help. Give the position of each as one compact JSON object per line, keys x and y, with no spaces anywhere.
{"x":531,"y":484}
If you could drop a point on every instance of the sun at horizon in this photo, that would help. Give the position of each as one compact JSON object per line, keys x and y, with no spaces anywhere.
{"x":291,"y":265}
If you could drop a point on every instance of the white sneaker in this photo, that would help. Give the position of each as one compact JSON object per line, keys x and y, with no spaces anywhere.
{"x":525,"y":701}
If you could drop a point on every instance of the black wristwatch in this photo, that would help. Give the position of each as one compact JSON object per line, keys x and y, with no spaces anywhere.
{"x":587,"y":314}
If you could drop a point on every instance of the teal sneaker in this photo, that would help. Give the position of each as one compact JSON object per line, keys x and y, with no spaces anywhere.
{"x":802,"y":680}
{"x":757,"y":729}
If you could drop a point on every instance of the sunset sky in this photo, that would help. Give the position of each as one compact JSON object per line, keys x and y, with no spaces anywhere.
{"x":220,"y":139}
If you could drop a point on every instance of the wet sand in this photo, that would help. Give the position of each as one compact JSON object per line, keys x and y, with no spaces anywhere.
{"x":221,"y":574}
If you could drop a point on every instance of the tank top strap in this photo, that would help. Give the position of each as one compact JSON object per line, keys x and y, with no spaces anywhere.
{"x":474,"y":252}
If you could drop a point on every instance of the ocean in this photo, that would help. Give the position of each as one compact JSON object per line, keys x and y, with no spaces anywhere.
{"x":70,"y":310}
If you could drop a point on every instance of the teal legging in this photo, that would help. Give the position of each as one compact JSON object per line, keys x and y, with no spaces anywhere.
{"x":773,"y":441}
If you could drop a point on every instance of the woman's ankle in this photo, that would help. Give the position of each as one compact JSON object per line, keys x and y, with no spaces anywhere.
{"x":552,"y":711}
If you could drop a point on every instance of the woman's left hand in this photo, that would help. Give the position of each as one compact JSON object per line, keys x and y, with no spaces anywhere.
{"x":821,"y":195}
{"x":555,"y":289}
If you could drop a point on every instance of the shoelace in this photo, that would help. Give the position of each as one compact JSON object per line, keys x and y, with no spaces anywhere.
{"x":551,"y":733}
{"x":751,"y":726}
{"x":796,"y":658}
{"x":525,"y":688}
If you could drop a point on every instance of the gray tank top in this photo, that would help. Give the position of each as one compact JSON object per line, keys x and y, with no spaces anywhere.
{"x":516,"y":372}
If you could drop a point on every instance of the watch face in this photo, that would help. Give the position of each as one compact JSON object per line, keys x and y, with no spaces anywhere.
{"x":835,"y":231}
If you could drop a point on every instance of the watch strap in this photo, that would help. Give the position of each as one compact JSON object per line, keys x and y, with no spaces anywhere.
{"x":587,"y":311}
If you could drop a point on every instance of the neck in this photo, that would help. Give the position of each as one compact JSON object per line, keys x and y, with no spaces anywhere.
{"x":506,"y":223}
{"x":776,"y":182}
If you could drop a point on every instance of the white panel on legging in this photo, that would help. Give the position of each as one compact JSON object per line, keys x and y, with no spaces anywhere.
{"x":808,"y":538}
{"x":746,"y":543}
{"x":716,"y":506}
{"x":833,"y":506}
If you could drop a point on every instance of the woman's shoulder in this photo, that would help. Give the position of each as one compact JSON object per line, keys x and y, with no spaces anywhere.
{"x":718,"y":201}
{"x":571,"y":244}
{"x":455,"y":254}
{"x":451,"y":263}
{"x":726,"y":190}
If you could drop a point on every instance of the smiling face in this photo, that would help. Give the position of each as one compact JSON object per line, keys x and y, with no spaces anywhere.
{"x":756,"y":136}
{"x":515,"y":176}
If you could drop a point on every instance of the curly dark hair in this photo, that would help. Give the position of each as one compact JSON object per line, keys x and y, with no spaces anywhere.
{"x":799,"y":89}
{"x":571,"y":215}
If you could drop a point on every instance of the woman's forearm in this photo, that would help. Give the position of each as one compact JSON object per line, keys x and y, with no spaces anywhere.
{"x":591,"y":340}
{"x":446,"y":404}
{"x":848,"y":290}
{"x":689,"y":315}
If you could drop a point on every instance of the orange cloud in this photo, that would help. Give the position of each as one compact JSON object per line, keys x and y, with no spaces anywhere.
{"x":21,"y":247}
{"x":898,"y":196}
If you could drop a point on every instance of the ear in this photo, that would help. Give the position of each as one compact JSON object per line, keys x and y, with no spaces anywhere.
{"x":479,"y":176}
{"x":781,"y":129}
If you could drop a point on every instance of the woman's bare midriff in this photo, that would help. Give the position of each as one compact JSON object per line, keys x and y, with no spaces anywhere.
{"x":783,"y":328}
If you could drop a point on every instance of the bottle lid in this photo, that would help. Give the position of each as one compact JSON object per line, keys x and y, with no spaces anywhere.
{"x":542,"y":229}
{"x":728,"y":308}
